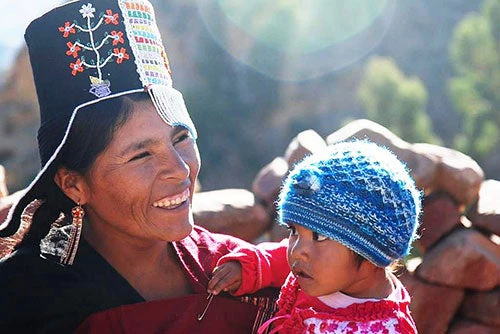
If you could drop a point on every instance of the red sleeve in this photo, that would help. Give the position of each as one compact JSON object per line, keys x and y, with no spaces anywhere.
{"x":263,"y":265}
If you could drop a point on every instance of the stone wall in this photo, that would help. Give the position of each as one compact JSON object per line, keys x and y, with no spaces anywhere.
{"x":453,"y":274}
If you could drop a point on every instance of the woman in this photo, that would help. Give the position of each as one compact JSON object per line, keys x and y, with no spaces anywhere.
{"x":112,"y":235}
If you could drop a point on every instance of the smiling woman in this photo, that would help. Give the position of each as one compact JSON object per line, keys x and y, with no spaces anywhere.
{"x":111,"y":245}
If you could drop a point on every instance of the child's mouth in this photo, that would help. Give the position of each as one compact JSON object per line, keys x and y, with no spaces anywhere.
{"x":301,"y":274}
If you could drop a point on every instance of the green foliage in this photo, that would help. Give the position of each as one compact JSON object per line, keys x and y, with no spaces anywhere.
{"x":475,"y":55}
{"x":395,"y":101}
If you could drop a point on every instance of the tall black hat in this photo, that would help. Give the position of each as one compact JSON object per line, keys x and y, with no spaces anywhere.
{"x":84,"y":52}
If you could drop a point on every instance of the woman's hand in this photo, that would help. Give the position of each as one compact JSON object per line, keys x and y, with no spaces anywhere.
{"x":226,"y":277}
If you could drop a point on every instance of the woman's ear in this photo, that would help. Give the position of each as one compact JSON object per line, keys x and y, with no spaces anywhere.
{"x":72,"y":185}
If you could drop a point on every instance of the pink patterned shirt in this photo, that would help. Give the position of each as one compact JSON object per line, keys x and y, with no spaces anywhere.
{"x":339,"y":313}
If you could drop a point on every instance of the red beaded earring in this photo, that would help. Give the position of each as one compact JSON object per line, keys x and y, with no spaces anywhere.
{"x":76,"y":230}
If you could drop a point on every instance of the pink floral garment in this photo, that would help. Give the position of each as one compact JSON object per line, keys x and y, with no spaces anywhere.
{"x":300,"y":313}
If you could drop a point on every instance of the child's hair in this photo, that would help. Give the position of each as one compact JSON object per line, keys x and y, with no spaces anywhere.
{"x":358,"y":194}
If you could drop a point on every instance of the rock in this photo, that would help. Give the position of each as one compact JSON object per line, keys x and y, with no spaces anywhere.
{"x":464,"y":259}
{"x":423,"y":168}
{"x":483,"y":307}
{"x":6,"y":203}
{"x":463,"y":326}
{"x":3,"y":185}
{"x":440,"y":215}
{"x":278,"y":232}
{"x":231,"y":211}
{"x":267,"y":183}
{"x":485,"y":213}
{"x":6,"y":244}
{"x":432,"y":306}
{"x":457,"y":173}
{"x":305,"y":143}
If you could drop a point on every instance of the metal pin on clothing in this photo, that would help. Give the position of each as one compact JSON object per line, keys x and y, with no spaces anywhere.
{"x":202,"y":314}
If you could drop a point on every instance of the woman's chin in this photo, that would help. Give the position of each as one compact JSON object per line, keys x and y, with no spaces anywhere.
{"x":181,"y":231}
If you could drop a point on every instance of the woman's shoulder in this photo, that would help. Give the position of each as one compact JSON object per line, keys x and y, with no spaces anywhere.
{"x":26,"y":263}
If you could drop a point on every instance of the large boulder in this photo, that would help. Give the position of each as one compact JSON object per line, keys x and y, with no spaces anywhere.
{"x":267,"y":183}
{"x":485,"y":213}
{"x":231,"y":211}
{"x":305,"y":143}
{"x":464,"y":259}
{"x":483,"y":307}
{"x":432,"y":306}
{"x":464,"y":326}
{"x":457,"y":174}
{"x":441,"y":214}
{"x":3,"y":184}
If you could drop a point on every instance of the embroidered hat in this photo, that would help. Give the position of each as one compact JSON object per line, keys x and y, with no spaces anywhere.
{"x":358,"y":194}
{"x":84,"y":52}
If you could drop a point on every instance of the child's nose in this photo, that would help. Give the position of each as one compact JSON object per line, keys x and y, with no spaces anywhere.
{"x":298,"y":249}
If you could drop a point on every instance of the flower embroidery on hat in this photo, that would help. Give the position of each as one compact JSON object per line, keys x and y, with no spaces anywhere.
{"x":94,"y":54}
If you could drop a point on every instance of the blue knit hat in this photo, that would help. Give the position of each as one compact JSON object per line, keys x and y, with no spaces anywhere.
{"x":356,"y":193}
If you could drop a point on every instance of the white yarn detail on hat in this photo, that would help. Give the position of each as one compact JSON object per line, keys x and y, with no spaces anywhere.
{"x":152,"y":62}
{"x":170,"y":105}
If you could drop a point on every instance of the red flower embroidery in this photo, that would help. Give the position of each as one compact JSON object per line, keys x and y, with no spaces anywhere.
{"x":332,"y":327}
{"x":376,"y":327}
{"x":110,"y":17}
{"x":121,"y":54}
{"x":72,"y":49}
{"x":76,"y":67}
{"x":352,"y":326}
{"x":117,"y":37}
{"x":67,"y":29}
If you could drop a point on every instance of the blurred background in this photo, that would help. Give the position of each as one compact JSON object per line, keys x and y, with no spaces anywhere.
{"x":255,"y":73}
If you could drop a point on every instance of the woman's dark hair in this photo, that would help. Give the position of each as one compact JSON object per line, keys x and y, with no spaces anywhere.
{"x":90,"y":134}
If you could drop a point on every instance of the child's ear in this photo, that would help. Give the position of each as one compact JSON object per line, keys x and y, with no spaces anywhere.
{"x":72,"y":184}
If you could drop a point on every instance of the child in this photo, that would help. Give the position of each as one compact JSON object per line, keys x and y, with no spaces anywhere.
{"x":352,"y":211}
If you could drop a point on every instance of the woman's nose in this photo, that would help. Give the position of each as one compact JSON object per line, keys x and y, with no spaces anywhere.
{"x":173,"y":165}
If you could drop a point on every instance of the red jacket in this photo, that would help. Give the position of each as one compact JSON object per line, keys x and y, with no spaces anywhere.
{"x":199,"y":253}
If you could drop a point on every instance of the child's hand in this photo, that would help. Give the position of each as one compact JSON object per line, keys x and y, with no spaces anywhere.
{"x":226,"y":277}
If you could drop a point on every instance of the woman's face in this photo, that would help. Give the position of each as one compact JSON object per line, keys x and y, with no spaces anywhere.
{"x":322,"y":266}
{"x":141,"y":186}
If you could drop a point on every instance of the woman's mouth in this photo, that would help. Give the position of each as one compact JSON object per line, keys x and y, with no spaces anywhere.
{"x":172,"y":202}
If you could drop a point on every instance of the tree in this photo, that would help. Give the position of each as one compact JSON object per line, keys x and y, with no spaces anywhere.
{"x":395,"y":101}
{"x":475,"y":55}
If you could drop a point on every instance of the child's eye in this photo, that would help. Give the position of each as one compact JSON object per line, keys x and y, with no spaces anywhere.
{"x":140,"y":156}
{"x":293,"y":231}
{"x":319,"y":237}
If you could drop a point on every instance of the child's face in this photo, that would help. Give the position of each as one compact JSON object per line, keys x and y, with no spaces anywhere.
{"x":322,"y":266}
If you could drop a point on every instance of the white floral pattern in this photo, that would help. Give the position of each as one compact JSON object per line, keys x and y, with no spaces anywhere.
{"x":87,"y":11}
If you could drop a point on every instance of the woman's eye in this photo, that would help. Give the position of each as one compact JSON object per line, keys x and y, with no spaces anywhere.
{"x":293,"y":231}
{"x":319,"y":237}
{"x":183,"y":136}
{"x":140,"y":156}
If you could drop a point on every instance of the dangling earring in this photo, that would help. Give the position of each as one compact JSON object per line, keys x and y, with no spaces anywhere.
{"x":76,"y":230}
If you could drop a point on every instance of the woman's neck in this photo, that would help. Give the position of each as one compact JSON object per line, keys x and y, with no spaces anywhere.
{"x":151,"y":268}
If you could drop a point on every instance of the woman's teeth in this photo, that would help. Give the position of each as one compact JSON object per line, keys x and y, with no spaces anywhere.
{"x":172,"y":201}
